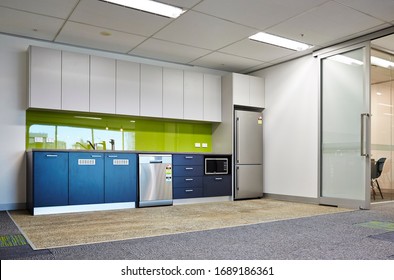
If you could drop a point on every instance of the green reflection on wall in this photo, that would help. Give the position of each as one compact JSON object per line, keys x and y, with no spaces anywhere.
{"x":60,"y":130}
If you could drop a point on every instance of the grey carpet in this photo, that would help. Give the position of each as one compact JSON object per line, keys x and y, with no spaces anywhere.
{"x":325,"y":237}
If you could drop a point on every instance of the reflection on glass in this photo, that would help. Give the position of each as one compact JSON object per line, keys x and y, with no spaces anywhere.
{"x":68,"y":137}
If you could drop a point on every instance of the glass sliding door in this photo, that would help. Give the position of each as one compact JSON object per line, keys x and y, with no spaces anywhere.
{"x":345,"y":128}
{"x":382,"y":122}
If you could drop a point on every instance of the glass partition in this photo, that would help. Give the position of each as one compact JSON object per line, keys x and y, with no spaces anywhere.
{"x":382,"y":132}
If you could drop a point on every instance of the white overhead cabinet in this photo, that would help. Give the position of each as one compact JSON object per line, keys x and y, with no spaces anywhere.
{"x":63,"y":80}
{"x":102,"y":85}
{"x":127,"y":88}
{"x":151,"y":104}
{"x":193,"y":96}
{"x":45,"y":78}
{"x":248,"y":90}
{"x":75,"y":81}
{"x":212,"y":98}
{"x":172,"y":93}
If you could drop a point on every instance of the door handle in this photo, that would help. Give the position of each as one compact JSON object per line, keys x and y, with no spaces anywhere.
{"x":365,"y":134}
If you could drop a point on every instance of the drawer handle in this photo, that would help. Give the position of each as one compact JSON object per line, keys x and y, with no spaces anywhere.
{"x":189,"y":168}
{"x":112,"y":156}
{"x":51,"y":156}
{"x":189,"y":179}
{"x":188,"y":157}
{"x":188,"y":190}
{"x":95,"y":156}
{"x":218,"y":179}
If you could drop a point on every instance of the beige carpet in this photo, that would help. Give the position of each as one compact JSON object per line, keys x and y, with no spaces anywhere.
{"x":49,"y":231}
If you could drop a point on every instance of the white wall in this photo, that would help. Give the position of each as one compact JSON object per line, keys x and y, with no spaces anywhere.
{"x":291,"y":128}
{"x":13,"y":87}
{"x":13,"y":105}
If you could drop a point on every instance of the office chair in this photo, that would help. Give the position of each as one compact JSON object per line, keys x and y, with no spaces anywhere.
{"x":376,"y":171}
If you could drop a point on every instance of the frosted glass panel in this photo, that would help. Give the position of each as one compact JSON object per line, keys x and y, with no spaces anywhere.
{"x":343,"y":102}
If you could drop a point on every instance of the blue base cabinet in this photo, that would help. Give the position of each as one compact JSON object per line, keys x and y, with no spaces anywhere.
{"x":86,"y":178}
{"x":187,"y":172}
{"x":216,"y":185}
{"x":50,"y":179}
{"x":120,"y":177}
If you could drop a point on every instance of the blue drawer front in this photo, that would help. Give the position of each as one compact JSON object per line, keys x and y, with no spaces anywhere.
{"x":188,"y":160}
{"x":120,"y":177}
{"x":188,"y":170}
{"x":86,"y":178}
{"x":187,"y":182}
{"x":50,"y":179}
{"x":217,"y":185}
{"x":187,"y":193}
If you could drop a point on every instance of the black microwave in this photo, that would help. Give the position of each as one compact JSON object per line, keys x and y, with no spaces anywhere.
{"x":216,"y":166}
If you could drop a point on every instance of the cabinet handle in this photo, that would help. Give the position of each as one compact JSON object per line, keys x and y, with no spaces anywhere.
{"x":188,"y":190}
{"x":189,"y":168}
{"x":51,"y":156}
{"x":218,"y":179}
{"x":189,"y":179}
{"x":188,"y":157}
{"x":112,"y":156}
{"x":95,"y":156}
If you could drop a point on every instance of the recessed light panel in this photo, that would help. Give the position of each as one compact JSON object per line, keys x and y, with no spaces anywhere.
{"x":150,"y":6}
{"x":279,"y":41}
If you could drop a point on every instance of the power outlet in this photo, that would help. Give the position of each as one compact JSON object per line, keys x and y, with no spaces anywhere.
{"x":197,"y":145}
{"x":205,"y":145}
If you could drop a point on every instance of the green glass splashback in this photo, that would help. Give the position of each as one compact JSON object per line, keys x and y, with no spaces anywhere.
{"x":60,"y":130}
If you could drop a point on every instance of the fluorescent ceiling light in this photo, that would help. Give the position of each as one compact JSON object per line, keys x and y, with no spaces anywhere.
{"x":279,"y":41}
{"x":346,"y":60}
{"x":381,"y":62}
{"x":150,"y":7}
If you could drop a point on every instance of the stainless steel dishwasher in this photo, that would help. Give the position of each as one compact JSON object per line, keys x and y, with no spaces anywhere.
{"x":155,"y":180}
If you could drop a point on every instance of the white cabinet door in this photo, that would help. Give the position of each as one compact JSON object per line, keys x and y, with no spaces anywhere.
{"x":212,"y":98}
{"x":151,"y":91}
{"x":102,"y":85}
{"x":256,"y":91}
{"x":127,"y":88}
{"x":75,"y":81}
{"x":45,"y":78}
{"x":193,"y":96}
{"x":172,"y":93}
{"x":241,"y":89}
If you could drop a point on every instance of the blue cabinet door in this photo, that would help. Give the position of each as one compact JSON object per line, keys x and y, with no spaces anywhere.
{"x":217,"y":185}
{"x":50,"y":179}
{"x":120,"y":177}
{"x":86,"y":178}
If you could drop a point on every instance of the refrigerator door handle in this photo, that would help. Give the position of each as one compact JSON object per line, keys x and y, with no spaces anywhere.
{"x":236,"y":178}
{"x":236,"y":139}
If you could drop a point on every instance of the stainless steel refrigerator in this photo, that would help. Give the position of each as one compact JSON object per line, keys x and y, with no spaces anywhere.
{"x":248,"y":151}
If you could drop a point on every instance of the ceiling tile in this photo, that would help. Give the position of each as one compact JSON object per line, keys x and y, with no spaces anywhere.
{"x":28,"y":24}
{"x":90,"y":36}
{"x":256,"y":13}
{"x":226,"y":62}
{"x":167,"y":51}
{"x":386,"y":42}
{"x":200,"y":30}
{"x":187,"y":4}
{"x":103,"y":14}
{"x":54,"y":8}
{"x":381,"y":9}
{"x":255,"y":50}
{"x":325,"y":24}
